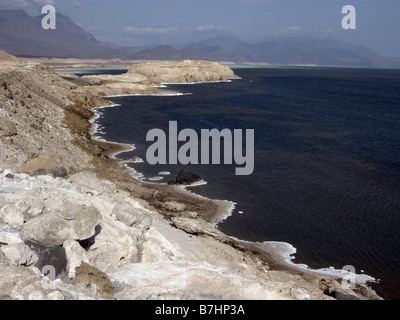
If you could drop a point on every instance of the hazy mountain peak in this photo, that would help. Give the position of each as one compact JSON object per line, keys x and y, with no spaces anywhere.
{"x":23,"y":35}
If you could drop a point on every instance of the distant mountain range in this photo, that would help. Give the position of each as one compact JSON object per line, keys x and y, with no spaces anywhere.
{"x":22,"y":35}
{"x":280,"y":51}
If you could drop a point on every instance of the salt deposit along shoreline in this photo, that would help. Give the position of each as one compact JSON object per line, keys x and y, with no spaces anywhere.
{"x":142,"y":241}
{"x":284,"y":251}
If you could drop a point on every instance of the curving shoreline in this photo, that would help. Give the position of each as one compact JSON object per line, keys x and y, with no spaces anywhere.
{"x":280,"y":251}
{"x":211,"y":213}
{"x":279,"y":255}
{"x":181,"y":245}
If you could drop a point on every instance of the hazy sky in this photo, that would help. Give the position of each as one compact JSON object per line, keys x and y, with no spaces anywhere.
{"x":142,"y":22}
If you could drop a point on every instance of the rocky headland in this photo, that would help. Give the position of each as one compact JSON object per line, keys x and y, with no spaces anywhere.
{"x":144,"y":78}
{"x":74,"y":224}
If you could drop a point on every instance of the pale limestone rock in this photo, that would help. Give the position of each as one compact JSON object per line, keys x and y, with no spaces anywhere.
{"x":56,"y":296}
{"x":9,"y":234}
{"x":191,"y":214}
{"x":36,"y":295}
{"x":114,"y":246}
{"x":174,"y":206}
{"x":28,"y":204}
{"x":22,"y":206}
{"x":87,"y":182}
{"x":54,"y":202}
{"x":21,"y":283}
{"x":132,"y":217}
{"x":75,"y":256}
{"x":156,"y":247}
{"x":36,"y":208}
{"x":190,"y":279}
{"x":20,"y":254}
{"x":76,"y":222}
{"x":12,"y":215}
{"x":198,"y":227}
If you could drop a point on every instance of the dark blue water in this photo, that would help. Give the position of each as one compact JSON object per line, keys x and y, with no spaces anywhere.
{"x":327,"y":159}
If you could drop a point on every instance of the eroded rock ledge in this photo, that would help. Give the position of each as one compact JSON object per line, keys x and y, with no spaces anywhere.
{"x":69,"y":211}
{"x":144,"y":78}
{"x":187,"y":71}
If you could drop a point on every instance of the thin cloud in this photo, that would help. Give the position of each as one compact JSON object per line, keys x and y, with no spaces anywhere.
{"x":150,"y":30}
{"x":293,"y":29}
{"x":208,"y":28}
{"x":78,"y":4}
{"x":132,"y":30}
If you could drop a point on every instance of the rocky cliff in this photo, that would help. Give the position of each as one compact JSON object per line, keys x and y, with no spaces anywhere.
{"x":186,"y":71}
{"x":75,"y":225}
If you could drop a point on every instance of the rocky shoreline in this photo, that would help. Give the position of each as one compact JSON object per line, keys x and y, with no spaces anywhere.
{"x":74,"y":224}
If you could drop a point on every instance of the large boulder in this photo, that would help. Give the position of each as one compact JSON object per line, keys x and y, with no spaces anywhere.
{"x":113,"y":246}
{"x":52,"y":260}
{"x":76,"y":222}
{"x":13,"y":215}
{"x":45,"y":165}
{"x":19,"y":254}
{"x":76,"y":254}
{"x":132,"y":217}
{"x":186,"y":178}
{"x":198,"y":227}
{"x":9,"y":234}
